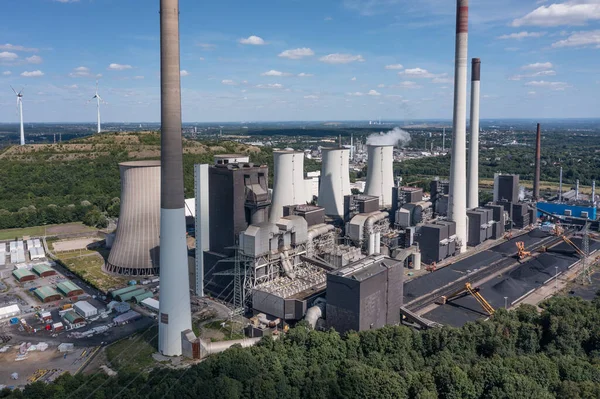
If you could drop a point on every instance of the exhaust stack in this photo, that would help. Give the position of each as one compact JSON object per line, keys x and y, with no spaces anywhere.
{"x":288,"y":182}
{"x":594,"y":192}
{"x":380,"y":173}
{"x":560,"y":187}
{"x":175,"y":312}
{"x":473,"y":186}
{"x":335,"y":181}
{"x":538,"y":163}
{"x":457,"y":198}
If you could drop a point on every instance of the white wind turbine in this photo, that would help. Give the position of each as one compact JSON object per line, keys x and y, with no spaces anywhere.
{"x":98,"y":99}
{"x":20,"y":111}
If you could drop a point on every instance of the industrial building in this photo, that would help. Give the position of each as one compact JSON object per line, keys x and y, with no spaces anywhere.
{"x":69,"y":289}
{"x":85,"y":309}
{"x":23,"y":275}
{"x":47,"y":294}
{"x":135,"y":250}
{"x":44,"y":270}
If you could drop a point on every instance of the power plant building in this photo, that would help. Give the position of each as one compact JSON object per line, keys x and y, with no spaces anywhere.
{"x":135,"y":251}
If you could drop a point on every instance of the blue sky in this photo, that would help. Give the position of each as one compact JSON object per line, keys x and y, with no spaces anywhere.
{"x":299,"y":60}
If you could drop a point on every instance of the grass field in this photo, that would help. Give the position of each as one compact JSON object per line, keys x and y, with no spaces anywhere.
{"x":38,"y":231}
{"x":134,"y":354}
{"x":88,"y":265}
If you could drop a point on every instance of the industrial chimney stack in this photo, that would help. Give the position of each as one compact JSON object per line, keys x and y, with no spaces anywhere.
{"x":457,"y":198}
{"x":538,"y":163}
{"x":175,"y":312}
{"x":473,"y":185}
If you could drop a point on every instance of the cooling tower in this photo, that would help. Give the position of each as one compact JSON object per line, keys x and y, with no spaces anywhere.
{"x":135,"y":249}
{"x":335,"y":180}
{"x":380,"y":173}
{"x":288,"y":182}
{"x":473,"y":177}
{"x":457,"y":197}
{"x":174,"y":313}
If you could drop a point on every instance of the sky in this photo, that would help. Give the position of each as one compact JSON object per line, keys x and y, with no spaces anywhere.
{"x":292,"y":60}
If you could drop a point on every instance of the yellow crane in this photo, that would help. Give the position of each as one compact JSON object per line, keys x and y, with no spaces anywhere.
{"x":571,"y":243}
{"x":522,"y":253}
{"x":474,"y":292}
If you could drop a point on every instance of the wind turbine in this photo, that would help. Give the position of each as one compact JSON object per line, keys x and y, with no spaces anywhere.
{"x":20,"y":111}
{"x":98,"y":99}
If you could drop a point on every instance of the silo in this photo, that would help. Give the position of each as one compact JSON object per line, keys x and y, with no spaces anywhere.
{"x":335,"y":180}
{"x":380,"y":173}
{"x":288,"y":182}
{"x":135,"y":250}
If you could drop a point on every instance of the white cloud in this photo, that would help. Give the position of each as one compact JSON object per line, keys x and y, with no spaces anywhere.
{"x":356,"y":94}
{"x":72,"y":87}
{"x":80,"y":72}
{"x":531,"y":93}
{"x":418,"y":73}
{"x":6,"y":73}
{"x":66,"y":1}
{"x":538,"y":65}
{"x":373,"y":93}
{"x":305,"y":75}
{"x":550,"y":85}
{"x":252,"y":40}
{"x":407,"y":84}
{"x":228,"y":82}
{"x":339,"y":58}
{"x":298,"y":53}
{"x":138,"y":77}
{"x":353,"y":79}
{"x":572,"y":12}
{"x":441,"y":80}
{"x":32,"y":74}
{"x":183,"y":72}
{"x":380,"y":86}
{"x":394,"y":66}
{"x":7,"y":56}
{"x":119,"y":67}
{"x":12,"y":47}
{"x":270,"y":86}
{"x":533,"y":75}
{"x":273,"y":72}
{"x":580,"y":39}
{"x":311,"y":97}
{"x":522,"y":35}
{"x":34,"y":59}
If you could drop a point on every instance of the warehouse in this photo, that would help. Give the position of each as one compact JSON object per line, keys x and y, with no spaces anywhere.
{"x":44,"y":270}
{"x":129,"y":295}
{"x":85,"y":309}
{"x":69,"y":289}
{"x":141,"y":297}
{"x":151,"y":304}
{"x":22,"y":275}
{"x":47,"y":294}
{"x":127,"y":317}
{"x":114,"y":294}
{"x":9,"y":311}
{"x":36,"y":253}
{"x":73,"y":319}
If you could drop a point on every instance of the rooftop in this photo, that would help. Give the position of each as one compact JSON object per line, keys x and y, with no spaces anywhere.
{"x":46,"y":291}
{"x":67,"y":286}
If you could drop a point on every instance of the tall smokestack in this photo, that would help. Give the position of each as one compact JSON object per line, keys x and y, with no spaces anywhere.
{"x":175,"y":313}
{"x":577,"y":190}
{"x":594,"y":192}
{"x":380,"y":173}
{"x":473,"y":178}
{"x":560,"y":186}
{"x":538,"y":163}
{"x":457,"y":198}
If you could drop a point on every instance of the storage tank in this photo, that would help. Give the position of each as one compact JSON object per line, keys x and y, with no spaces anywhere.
{"x":380,"y":173}
{"x":135,"y":250}
{"x":288,"y":182}
{"x":335,"y":180}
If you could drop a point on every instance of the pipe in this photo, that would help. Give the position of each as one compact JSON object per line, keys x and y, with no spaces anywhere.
{"x":211,"y":348}
{"x":457,"y":201}
{"x":378,"y":242}
{"x":538,"y":162}
{"x":560,"y":186}
{"x":473,"y":178}
{"x":371,"y":244}
{"x":318,"y":230}
{"x":287,"y":265}
{"x":577,"y":190}
{"x":315,"y":312}
{"x":269,"y":323}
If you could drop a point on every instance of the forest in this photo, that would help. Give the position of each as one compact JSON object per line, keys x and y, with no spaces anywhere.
{"x":521,"y":354}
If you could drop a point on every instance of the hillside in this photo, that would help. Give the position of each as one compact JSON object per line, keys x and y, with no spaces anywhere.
{"x":79,"y":180}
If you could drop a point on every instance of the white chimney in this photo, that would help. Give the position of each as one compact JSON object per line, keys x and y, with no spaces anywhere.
{"x":335,"y":180}
{"x":473,"y":182}
{"x":288,"y":182}
{"x":380,"y":173}
{"x":457,"y":198}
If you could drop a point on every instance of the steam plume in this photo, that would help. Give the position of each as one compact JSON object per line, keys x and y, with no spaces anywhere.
{"x":396,"y":137}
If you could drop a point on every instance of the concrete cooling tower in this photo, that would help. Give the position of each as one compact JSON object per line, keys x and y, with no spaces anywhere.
{"x":335,"y":180}
{"x":380,"y":173}
{"x":135,"y":249}
{"x":288,"y":182}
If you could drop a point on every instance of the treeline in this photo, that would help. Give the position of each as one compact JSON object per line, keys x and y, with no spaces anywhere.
{"x":521,"y":354}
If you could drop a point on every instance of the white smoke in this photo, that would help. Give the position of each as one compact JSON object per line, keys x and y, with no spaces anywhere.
{"x":397,"y":137}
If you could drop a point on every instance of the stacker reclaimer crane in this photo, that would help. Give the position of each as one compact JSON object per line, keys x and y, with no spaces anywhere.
{"x":474,"y":292}
{"x":522,"y":253}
